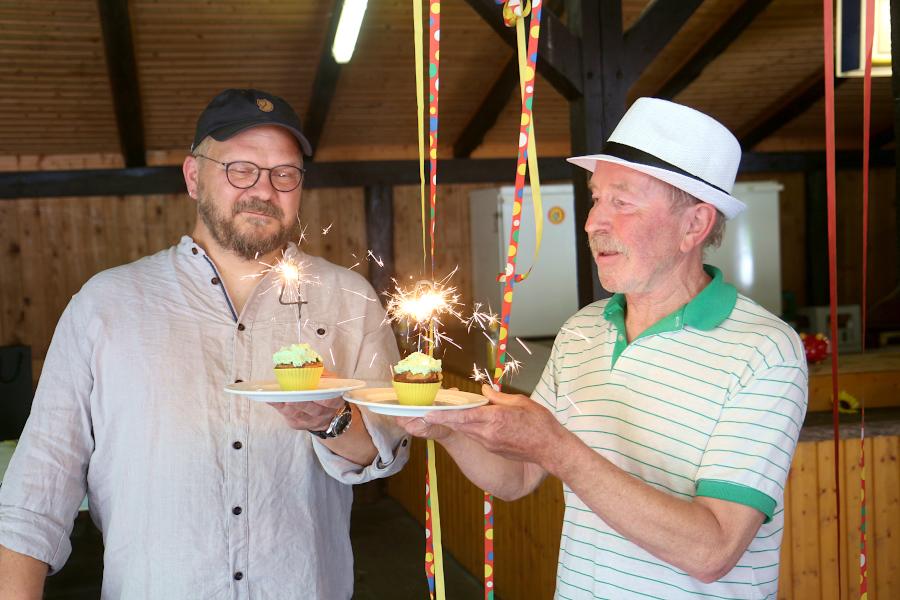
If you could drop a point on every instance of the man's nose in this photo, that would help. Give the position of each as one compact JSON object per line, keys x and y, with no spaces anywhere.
{"x":597,"y":220}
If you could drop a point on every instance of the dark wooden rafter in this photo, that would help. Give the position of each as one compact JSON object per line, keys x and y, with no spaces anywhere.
{"x":559,"y":50}
{"x":494,"y":102}
{"x":488,"y":112}
{"x":717,"y":43}
{"x":169,"y":180}
{"x":325,"y":83}
{"x":653,"y":30}
{"x":115,"y":23}
{"x":784,"y":110}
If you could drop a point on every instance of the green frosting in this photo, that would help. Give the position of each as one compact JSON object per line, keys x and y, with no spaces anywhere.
{"x":418,"y":364}
{"x":297,"y":355}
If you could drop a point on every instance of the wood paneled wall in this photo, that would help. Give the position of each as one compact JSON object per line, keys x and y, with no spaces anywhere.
{"x":526,"y":532}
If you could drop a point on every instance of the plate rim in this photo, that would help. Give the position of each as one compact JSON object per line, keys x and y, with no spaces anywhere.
{"x":410,"y":407}
{"x":229,"y":389}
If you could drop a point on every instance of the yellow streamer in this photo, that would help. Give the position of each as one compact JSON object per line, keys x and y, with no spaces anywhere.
{"x":436,"y":526}
{"x":533,"y":174}
{"x":420,"y":105}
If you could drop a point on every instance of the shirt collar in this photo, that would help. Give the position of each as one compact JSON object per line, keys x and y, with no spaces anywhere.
{"x":705,"y":311}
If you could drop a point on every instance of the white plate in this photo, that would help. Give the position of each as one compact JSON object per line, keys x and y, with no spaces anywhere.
{"x":384,"y":402}
{"x":270,"y":391}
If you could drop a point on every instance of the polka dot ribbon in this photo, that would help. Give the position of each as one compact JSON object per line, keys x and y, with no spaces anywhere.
{"x":434,"y":562}
{"x":514,"y":13}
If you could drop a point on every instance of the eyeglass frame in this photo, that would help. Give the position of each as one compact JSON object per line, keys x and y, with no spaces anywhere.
{"x":259,"y":171}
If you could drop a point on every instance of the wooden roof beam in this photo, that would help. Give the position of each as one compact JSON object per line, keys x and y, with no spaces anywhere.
{"x":559,"y":50}
{"x":717,"y":43}
{"x":115,"y":23}
{"x":653,"y":30}
{"x":784,"y":110}
{"x":169,"y":179}
{"x":325,"y":83}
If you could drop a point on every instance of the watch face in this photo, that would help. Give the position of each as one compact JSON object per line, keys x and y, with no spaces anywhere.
{"x":342,"y":422}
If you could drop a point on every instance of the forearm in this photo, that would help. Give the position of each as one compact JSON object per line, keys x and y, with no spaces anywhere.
{"x":681,"y":532}
{"x":504,"y":478}
{"x":355,"y":444}
{"x":21,"y":577}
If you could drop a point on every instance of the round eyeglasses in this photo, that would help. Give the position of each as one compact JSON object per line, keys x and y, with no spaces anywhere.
{"x":244,"y":174}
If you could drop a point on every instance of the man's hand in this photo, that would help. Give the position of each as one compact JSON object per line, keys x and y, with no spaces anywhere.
{"x":309,"y":416}
{"x":512,"y":426}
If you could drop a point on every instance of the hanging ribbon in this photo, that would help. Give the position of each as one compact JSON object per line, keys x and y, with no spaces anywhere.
{"x":828,"y":26}
{"x":867,"y":118}
{"x":514,"y":11}
{"x":514,"y":14}
{"x":434,"y":554}
{"x":420,"y":103}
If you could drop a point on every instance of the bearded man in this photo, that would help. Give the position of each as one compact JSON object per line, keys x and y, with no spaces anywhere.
{"x":200,"y":494}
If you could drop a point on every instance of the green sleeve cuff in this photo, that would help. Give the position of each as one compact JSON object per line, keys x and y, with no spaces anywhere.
{"x":735,"y":492}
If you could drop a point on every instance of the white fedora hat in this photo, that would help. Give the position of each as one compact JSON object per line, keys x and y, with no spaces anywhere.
{"x":678,"y":145}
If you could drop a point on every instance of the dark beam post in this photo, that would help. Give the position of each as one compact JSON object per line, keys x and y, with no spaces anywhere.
{"x":593,"y":117}
{"x":115,"y":24}
{"x":816,"y":238}
{"x":895,"y":88}
{"x":325,"y":83}
{"x":379,"y":200}
{"x":742,"y":17}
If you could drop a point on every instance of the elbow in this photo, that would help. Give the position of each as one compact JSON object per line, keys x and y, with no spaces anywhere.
{"x":713,"y":566}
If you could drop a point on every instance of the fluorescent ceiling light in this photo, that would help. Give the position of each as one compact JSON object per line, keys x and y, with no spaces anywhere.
{"x":351,"y":19}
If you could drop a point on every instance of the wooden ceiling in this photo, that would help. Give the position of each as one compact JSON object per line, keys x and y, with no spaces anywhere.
{"x":57,"y":97}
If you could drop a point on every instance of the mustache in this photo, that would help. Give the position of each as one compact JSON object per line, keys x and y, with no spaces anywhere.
{"x":258,"y":206}
{"x":605,"y":244}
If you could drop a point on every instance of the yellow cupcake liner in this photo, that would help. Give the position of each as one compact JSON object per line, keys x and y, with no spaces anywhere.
{"x":299,"y":378}
{"x":416,"y":394}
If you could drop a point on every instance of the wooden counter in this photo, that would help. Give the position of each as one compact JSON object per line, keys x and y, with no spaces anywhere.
{"x":527,"y":531}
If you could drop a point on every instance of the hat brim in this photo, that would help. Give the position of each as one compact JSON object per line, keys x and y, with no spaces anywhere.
{"x":728,"y":204}
{"x":223,"y":133}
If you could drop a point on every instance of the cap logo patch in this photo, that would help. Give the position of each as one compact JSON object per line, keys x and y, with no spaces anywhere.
{"x":265,"y":105}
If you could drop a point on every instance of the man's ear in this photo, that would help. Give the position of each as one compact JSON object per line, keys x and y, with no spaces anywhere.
{"x":701,"y":218}
{"x":189,"y":169}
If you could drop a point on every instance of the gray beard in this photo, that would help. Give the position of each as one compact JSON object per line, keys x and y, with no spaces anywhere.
{"x":228,"y":237}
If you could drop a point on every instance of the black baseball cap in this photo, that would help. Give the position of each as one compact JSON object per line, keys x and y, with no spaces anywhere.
{"x":233,"y":111}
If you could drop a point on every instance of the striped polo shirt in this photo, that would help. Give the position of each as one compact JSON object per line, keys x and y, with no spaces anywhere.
{"x":708,"y":401}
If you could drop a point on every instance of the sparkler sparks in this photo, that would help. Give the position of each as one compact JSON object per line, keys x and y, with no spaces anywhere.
{"x":378,"y":260}
{"x":327,"y":229}
{"x":484,"y":319}
{"x":574,"y":332}
{"x":521,"y":343}
{"x":421,"y":307}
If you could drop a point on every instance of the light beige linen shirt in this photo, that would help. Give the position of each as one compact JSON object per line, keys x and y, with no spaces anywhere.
{"x":199,"y":494}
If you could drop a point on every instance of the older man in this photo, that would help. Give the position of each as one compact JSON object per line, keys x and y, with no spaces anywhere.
{"x":200,"y":494}
{"x":671,"y":410}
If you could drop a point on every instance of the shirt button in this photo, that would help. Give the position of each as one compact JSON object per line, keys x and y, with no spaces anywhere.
{"x":193,"y":251}
{"x":404,"y":442}
{"x":238,"y":576}
{"x":241,"y":327}
{"x":237,"y":445}
{"x":320,"y":331}
{"x":214,"y":281}
{"x":236,"y":510}
{"x":621,"y":338}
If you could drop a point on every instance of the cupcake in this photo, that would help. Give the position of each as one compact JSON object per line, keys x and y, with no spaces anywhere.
{"x":298,"y":367}
{"x":417,"y":379}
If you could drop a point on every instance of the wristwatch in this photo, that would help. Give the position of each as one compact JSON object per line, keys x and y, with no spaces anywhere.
{"x":339,"y":424}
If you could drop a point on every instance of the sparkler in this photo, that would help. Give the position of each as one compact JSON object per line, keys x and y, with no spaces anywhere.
{"x":421,"y":307}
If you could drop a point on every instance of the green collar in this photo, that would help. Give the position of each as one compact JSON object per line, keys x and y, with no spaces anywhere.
{"x":705,"y":311}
